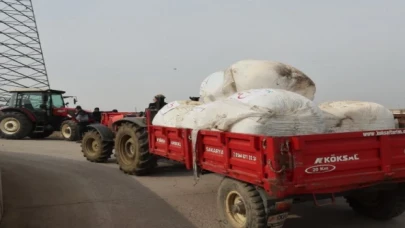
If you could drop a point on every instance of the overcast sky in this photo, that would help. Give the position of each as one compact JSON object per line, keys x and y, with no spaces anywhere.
{"x":119,"y":54}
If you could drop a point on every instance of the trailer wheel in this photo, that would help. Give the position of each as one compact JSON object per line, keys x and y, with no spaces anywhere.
{"x":68,"y":129}
{"x":132,"y":150}
{"x":380,"y":205}
{"x":94,"y":148}
{"x":14,"y":125}
{"x":240,"y":205}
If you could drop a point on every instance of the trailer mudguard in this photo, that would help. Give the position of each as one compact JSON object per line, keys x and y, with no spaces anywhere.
{"x":139,"y":121}
{"x":105,"y":133}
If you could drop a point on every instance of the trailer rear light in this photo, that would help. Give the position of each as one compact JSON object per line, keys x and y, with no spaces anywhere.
{"x":283,"y":206}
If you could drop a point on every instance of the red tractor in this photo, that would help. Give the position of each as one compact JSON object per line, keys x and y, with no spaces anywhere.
{"x":98,"y":141}
{"x":36,"y":113}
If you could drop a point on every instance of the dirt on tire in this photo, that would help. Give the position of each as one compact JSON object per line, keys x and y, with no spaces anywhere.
{"x":132,"y":150}
{"x":72,"y":125}
{"x":387,"y":205}
{"x":94,"y":148}
{"x":255,"y":211}
{"x":24,"y":129}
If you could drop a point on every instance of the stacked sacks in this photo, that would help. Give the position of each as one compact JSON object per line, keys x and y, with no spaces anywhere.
{"x":269,"y":98}
{"x":272,"y":112}
{"x":170,"y":114}
{"x":349,"y":116}
{"x":255,"y":74}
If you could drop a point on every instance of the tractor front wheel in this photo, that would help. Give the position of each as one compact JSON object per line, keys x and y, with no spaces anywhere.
{"x":15,"y":125}
{"x":94,"y":148}
{"x":69,"y":129}
{"x":132,"y":150}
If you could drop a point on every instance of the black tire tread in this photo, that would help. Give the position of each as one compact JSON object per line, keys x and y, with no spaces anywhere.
{"x":26,"y":125}
{"x":392,"y":205}
{"x":73,"y":130}
{"x":252,"y":199}
{"x":147,"y":161}
{"x":105,"y":151}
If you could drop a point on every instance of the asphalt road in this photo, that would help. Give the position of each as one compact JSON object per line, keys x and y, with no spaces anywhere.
{"x":49,"y":184}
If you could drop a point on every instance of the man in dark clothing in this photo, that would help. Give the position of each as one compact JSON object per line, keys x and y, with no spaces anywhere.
{"x":82,"y":121}
{"x":97,"y":115}
{"x":158,"y":102}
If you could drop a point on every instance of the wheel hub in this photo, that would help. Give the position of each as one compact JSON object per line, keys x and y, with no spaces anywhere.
{"x":95,"y":145}
{"x":129,"y":148}
{"x":66,"y":131}
{"x":10,"y":126}
{"x":236,"y":209}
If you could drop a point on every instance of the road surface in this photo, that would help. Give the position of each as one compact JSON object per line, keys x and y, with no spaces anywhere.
{"x":48,"y":183}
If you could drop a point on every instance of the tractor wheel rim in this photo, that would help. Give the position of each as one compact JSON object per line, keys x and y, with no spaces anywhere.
{"x":128,"y":150}
{"x":236,"y":209}
{"x":90,"y":146}
{"x":66,"y":131}
{"x":10,"y":126}
{"x":95,"y":145}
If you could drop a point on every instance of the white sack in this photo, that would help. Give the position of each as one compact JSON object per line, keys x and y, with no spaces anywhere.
{"x":270,"y":112}
{"x":256,"y":74}
{"x":168,"y":116}
{"x":348,"y":116}
{"x":211,"y":88}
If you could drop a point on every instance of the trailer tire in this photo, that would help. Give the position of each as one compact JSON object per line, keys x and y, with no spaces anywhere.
{"x":68,"y":130}
{"x":132,"y":150}
{"x":15,"y":125}
{"x":383,"y":205}
{"x":94,"y":148}
{"x":250,"y":204}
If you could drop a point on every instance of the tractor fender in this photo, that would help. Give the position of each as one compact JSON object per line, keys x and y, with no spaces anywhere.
{"x":105,"y":133}
{"x":139,"y":121}
{"x":26,"y":112}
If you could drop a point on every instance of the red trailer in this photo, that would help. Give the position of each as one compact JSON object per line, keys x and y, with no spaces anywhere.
{"x":265,"y":175}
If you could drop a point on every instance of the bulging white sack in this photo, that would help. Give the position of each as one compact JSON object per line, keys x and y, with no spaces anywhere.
{"x":256,"y":74}
{"x":211,"y":88}
{"x":169,"y":115}
{"x":349,"y":116}
{"x":272,"y":112}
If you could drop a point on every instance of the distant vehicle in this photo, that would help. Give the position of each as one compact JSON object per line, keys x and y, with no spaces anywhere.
{"x":37,"y":113}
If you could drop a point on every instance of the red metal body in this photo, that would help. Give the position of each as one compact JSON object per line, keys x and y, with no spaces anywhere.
{"x":108,"y":118}
{"x":289,"y":166}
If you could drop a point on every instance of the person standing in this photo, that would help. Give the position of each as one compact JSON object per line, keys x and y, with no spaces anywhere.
{"x":97,"y":115}
{"x":82,"y":121}
{"x":158,"y":102}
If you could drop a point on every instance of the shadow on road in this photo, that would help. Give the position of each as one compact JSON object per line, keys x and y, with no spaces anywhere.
{"x":44,"y":191}
{"x":335,"y":216}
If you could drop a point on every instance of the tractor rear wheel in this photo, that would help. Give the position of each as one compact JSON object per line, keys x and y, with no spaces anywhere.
{"x":94,"y":148}
{"x":69,"y":129}
{"x":132,"y":150}
{"x":379,"y":205}
{"x":40,"y":135}
{"x":15,"y":125}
